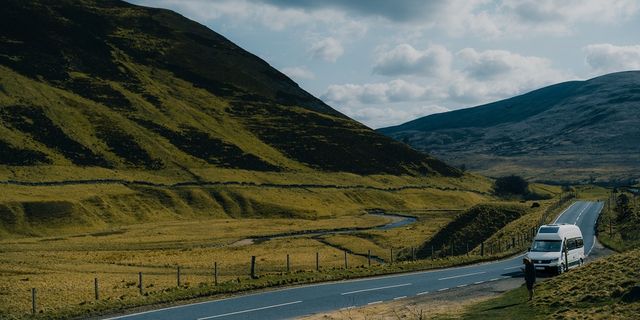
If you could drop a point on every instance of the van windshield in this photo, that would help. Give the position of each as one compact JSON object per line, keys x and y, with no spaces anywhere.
{"x":546,"y":246}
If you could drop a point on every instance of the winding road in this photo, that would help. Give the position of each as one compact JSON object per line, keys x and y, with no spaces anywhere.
{"x":304,"y":300}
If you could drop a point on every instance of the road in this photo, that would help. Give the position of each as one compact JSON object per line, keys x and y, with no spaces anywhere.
{"x":310,"y":299}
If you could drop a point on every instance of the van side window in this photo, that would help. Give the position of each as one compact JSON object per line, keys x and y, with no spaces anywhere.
{"x":580,"y":243}
{"x":571,"y":244}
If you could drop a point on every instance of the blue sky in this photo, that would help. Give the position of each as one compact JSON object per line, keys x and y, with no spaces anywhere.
{"x":385,"y":62}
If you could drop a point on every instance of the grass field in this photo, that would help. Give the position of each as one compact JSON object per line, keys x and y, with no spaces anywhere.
{"x":68,"y":263}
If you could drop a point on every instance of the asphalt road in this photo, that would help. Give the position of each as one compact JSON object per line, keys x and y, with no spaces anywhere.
{"x":304,"y":300}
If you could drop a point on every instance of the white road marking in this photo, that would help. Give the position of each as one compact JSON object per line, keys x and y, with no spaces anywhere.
{"x":375,"y":302}
{"x":443,"y":289}
{"x":462,"y":275}
{"x":347,"y":308}
{"x":479,"y":282}
{"x":398,"y":298}
{"x":580,"y":214}
{"x":374,"y":289}
{"x":422,"y":293}
{"x":495,"y":279}
{"x":565,"y":210}
{"x":251,"y":310}
{"x":462,"y":285}
{"x":512,"y":267}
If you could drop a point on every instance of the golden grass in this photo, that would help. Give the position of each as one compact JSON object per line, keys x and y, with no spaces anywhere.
{"x":69,"y":264}
{"x":599,"y":290}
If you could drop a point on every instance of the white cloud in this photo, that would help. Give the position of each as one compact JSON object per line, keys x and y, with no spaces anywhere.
{"x":299,"y":73}
{"x":371,"y":93}
{"x":406,"y":60}
{"x":384,"y":116}
{"x":256,"y":14}
{"x":495,"y":74}
{"x":524,"y":17}
{"x":473,"y":78}
{"x":606,"y":58}
{"x":327,"y":49}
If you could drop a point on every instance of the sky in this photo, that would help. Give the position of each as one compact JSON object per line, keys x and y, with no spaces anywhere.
{"x":385,"y":62}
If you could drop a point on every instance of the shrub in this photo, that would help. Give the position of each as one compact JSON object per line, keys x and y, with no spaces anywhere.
{"x":511,"y":185}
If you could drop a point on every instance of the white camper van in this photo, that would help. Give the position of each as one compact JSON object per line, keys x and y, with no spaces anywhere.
{"x":557,"y":246}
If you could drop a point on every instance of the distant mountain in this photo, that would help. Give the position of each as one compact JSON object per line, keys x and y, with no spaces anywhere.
{"x":104,"y":83}
{"x":572,"y":131}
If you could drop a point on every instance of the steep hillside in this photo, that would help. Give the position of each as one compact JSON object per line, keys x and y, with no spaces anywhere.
{"x":108,"y":84}
{"x":575,"y":131}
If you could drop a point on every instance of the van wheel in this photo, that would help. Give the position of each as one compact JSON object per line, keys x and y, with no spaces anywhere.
{"x":560,"y":269}
{"x":581,"y":262}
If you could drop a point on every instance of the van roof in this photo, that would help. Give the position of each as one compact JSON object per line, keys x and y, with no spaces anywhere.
{"x":558,"y":231}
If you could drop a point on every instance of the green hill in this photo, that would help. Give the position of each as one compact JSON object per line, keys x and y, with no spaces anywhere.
{"x":578,"y":131}
{"x":113,"y":85}
{"x":115,"y":114}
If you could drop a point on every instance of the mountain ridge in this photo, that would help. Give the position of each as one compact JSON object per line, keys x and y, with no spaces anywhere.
{"x":115,"y":85}
{"x":588,"y":129}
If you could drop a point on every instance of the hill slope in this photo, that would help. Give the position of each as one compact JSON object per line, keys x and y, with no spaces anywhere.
{"x":575,"y":131}
{"x":108,"y":84}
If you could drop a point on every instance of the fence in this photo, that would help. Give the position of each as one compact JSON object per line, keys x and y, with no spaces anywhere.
{"x":138,"y":284}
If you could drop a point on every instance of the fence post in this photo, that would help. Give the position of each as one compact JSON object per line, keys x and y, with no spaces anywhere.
{"x":433,"y":253}
{"x":452,"y":244}
{"x":253,"y":267}
{"x":467,"y":249}
{"x":33,"y":300}
{"x":513,"y":242}
{"x":215,"y":273}
{"x":178,"y":276}
{"x":413,"y":253}
{"x":288,"y":264}
{"x":391,"y":255}
{"x":346,"y":264}
{"x":140,"y":282}
{"x":369,"y":257}
{"x":95,"y":288}
{"x":317,"y":261}
{"x":482,"y":249}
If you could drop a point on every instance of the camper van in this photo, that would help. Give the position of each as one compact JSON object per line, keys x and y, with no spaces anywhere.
{"x":557,"y":247}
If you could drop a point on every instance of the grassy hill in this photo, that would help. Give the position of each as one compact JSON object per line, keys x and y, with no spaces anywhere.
{"x":112,"y":113}
{"x":580,"y":131}
{"x":112,"y":85}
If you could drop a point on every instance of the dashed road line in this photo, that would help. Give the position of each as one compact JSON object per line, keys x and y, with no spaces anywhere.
{"x":422,"y":293}
{"x":398,"y":298}
{"x":462,"y":275}
{"x":374,"y":289}
{"x":462,"y":286}
{"x":250,"y":310}
{"x":443,"y":289}
{"x":374,"y":302}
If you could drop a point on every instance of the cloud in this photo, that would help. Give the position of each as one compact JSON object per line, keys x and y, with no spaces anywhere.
{"x":606,"y":58}
{"x":252,"y":13}
{"x":399,"y":11}
{"x":496,"y":74}
{"x":371,"y":93}
{"x":473,"y":77}
{"x":299,"y":73}
{"x":327,"y":49}
{"x":406,"y":60}
{"x":559,"y":17}
{"x":384,"y":116}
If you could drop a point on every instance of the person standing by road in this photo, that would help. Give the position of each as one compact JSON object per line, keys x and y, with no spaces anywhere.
{"x":529,"y":275}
